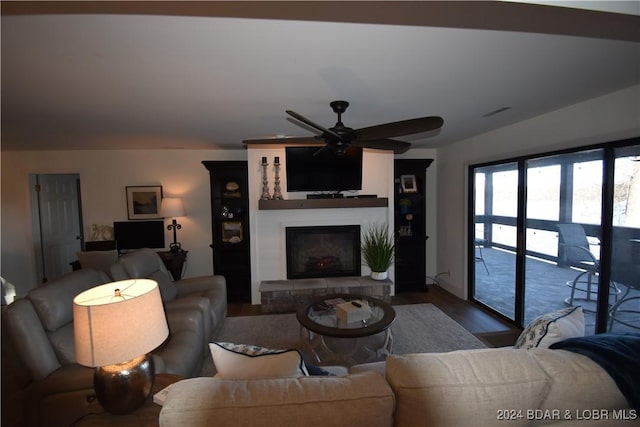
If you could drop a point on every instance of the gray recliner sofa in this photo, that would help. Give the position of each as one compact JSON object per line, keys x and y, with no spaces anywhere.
{"x":207,"y":293}
{"x":49,"y":387}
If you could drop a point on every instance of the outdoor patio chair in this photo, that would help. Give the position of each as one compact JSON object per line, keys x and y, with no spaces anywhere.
{"x":479,"y":243}
{"x":625,"y":311}
{"x":625,"y":271}
{"x":576,"y":253}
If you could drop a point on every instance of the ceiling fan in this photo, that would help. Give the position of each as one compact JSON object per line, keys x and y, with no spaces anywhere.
{"x":340,"y":137}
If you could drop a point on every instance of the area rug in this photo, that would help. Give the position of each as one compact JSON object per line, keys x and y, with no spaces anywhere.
{"x":418,"y":328}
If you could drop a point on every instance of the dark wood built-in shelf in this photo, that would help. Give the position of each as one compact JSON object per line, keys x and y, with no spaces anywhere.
{"x":364,"y":202}
{"x":231,"y":234}
{"x":410,"y":213}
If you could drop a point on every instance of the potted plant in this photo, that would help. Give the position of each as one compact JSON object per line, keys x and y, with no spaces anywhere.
{"x":377,"y":249}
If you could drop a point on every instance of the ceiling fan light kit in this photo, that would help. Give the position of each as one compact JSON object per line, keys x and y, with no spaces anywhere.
{"x":339,"y":137}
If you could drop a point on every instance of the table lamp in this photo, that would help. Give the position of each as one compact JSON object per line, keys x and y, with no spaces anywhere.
{"x":115,"y":326}
{"x":172,"y":207}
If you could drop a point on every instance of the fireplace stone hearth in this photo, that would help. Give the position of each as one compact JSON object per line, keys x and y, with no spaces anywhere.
{"x":280,"y":296}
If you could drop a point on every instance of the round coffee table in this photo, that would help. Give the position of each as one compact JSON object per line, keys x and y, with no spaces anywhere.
{"x":332,"y":340}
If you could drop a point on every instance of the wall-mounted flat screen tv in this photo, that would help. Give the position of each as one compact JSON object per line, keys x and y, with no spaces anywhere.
{"x":312,"y":169}
{"x":139,"y":234}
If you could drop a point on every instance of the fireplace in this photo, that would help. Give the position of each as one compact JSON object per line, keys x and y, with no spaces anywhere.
{"x":323,"y":251}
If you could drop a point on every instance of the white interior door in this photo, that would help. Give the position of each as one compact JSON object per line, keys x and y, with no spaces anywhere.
{"x":57,"y":223}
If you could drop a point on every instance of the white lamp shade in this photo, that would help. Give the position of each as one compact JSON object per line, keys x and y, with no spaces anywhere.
{"x":113,"y":329}
{"x":172,"y":207}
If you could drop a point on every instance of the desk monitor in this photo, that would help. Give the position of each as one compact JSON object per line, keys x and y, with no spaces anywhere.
{"x":139,"y":234}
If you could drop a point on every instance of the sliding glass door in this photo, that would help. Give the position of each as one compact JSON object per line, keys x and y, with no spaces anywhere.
{"x":538,"y":229}
{"x":543,"y":203}
{"x":624,"y":315}
{"x":563,"y":211}
{"x":494,"y":240}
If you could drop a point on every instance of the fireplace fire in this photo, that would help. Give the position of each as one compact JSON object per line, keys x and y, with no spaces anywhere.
{"x":323,"y":251}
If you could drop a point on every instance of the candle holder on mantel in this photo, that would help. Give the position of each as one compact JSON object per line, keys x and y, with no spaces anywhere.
{"x":265,"y":181}
{"x":277,"y":191}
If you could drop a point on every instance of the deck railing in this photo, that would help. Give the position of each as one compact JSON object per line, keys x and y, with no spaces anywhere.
{"x":622,"y":235}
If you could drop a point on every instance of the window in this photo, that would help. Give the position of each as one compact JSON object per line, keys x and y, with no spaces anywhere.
{"x":587,"y":188}
{"x":543,"y":192}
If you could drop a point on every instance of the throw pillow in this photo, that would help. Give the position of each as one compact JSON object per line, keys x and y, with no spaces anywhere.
{"x":241,"y":362}
{"x":551,"y":328}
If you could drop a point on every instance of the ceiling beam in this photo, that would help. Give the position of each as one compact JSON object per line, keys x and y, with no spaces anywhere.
{"x":485,"y":15}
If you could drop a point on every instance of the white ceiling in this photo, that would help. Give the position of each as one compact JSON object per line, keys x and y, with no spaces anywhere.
{"x":212,"y":75}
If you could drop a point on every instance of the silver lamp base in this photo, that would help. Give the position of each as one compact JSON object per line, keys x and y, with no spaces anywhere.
{"x":123,"y":388}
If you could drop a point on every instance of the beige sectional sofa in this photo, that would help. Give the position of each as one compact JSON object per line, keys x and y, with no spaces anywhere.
{"x":488,"y":387}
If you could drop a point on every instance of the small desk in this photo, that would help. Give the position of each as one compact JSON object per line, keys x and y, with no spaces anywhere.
{"x":145,"y":416}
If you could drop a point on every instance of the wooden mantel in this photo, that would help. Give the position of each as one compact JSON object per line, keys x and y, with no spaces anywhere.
{"x":364,"y":202}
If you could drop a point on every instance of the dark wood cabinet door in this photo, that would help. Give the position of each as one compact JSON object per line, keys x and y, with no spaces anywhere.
{"x":230,"y":226}
{"x":410,"y":224}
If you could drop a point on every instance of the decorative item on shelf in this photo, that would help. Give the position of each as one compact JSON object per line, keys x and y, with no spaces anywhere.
{"x":378,"y":246}
{"x":232,"y":189}
{"x":406,"y":230}
{"x":172,"y":207}
{"x":265,"y":181}
{"x":408,"y":183}
{"x":404,"y":204}
{"x":101,"y":232}
{"x":115,"y":326}
{"x":277,"y":191}
{"x":232,"y":232}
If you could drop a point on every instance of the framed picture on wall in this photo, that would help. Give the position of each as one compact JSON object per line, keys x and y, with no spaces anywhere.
{"x":143,"y":202}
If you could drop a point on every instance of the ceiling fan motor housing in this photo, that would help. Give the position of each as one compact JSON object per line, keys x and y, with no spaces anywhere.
{"x":347,"y":134}
{"x":339,"y":107}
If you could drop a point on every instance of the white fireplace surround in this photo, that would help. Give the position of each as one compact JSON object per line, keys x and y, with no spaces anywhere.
{"x":268,"y":235}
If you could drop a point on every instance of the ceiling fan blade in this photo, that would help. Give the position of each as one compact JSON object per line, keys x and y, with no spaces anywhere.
{"x":308,"y":122}
{"x":304,"y":126}
{"x":401,"y":128}
{"x":305,"y":140}
{"x":324,"y":147}
{"x":398,"y":147}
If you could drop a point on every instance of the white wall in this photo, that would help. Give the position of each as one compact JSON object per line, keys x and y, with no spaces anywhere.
{"x":104,"y":176}
{"x":608,"y":118}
